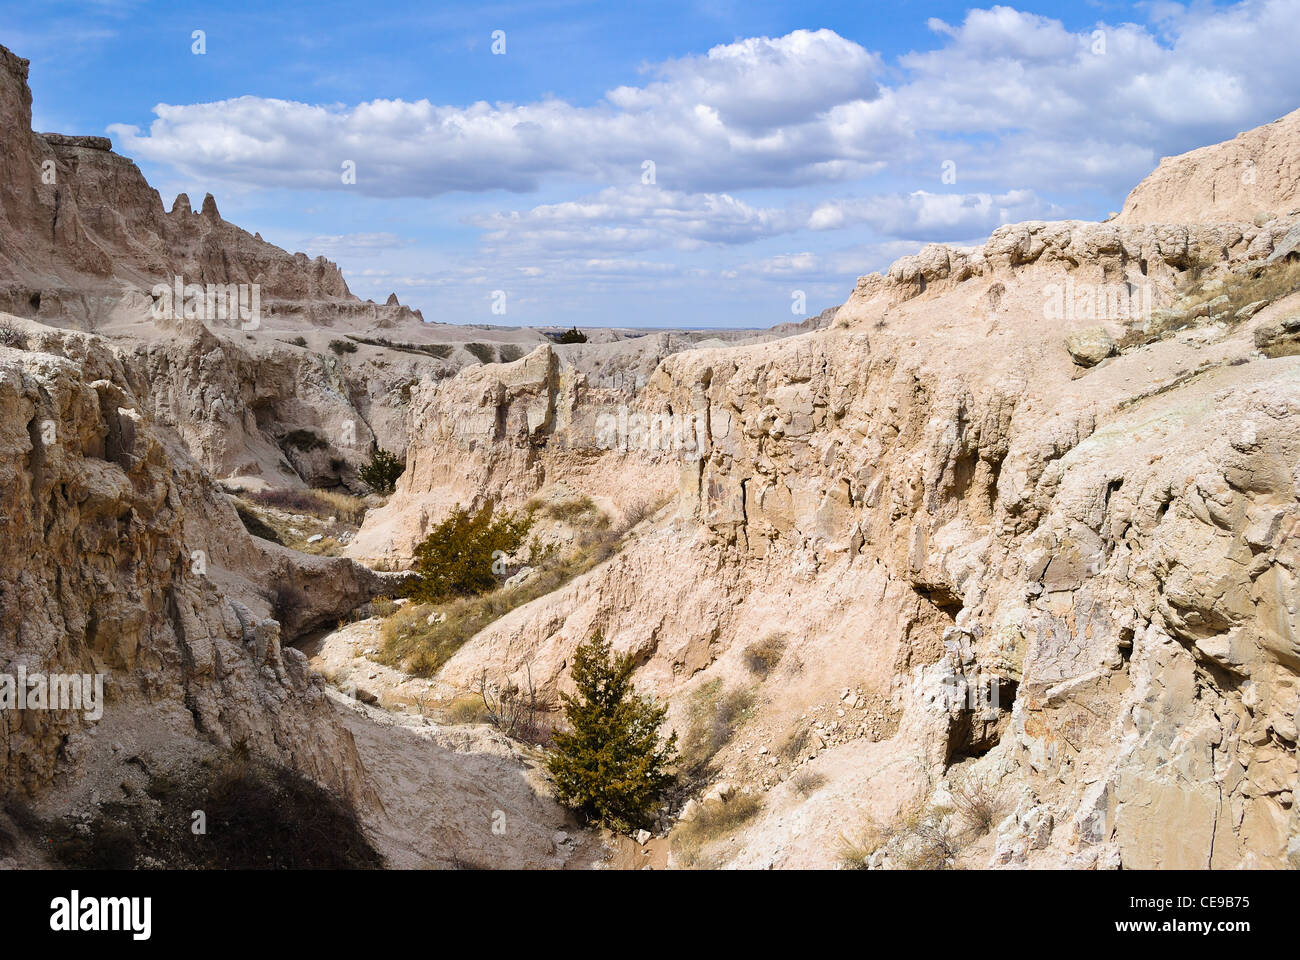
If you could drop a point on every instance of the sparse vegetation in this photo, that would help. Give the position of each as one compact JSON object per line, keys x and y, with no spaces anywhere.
{"x":978,"y":805}
{"x":572,"y":335}
{"x":807,"y":782}
{"x":341,"y":347}
{"x":639,"y":510}
{"x":713,"y":821}
{"x":310,"y":502}
{"x":509,"y":352}
{"x":11,"y":335}
{"x":412,"y":644}
{"x":516,"y":710}
{"x":1268,"y":284}
{"x":381,"y":473}
{"x":255,"y":525}
{"x":460,"y":556}
{"x":855,"y":849}
{"x":762,"y":656}
{"x":299,"y":528}
{"x":712,"y":718}
{"x":921,"y":839}
{"x":439,"y":350}
{"x":466,"y":709}
{"x":796,"y":741}
{"x":572,"y":509}
{"x":297,"y":341}
{"x":610,"y":764}
{"x":482,"y":352}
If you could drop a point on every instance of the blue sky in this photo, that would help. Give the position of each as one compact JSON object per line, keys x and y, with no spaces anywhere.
{"x":794,"y":146}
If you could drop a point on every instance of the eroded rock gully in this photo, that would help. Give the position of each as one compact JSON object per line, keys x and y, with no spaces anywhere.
{"x":936,"y":492}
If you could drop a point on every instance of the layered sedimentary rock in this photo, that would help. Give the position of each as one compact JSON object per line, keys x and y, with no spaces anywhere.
{"x":123,"y":560}
{"x":1023,"y":514}
{"x":1056,"y":470}
{"x":502,"y":432}
{"x":1254,"y":175}
{"x":84,"y":238}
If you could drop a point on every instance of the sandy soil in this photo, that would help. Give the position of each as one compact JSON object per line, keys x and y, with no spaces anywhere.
{"x":462,"y":797}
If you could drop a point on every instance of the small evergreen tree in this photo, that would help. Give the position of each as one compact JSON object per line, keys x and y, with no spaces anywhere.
{"x":462,"y":555}
{"x":573,"y":335}
{"x":609,"y":765}
{"x":381,"y":473}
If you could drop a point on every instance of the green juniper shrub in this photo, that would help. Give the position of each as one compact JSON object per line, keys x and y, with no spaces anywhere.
{"x":381,"y":473}
{"x":457,"y":558}
{"x":609,"y":765}
{"x":573,"y":335}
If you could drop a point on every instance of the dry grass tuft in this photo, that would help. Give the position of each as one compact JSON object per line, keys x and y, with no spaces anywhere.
{"x":920,"y":840}
{"x":807,"y":782}
{"x":762,"y":656}
{"x":713,"y":717}
{"x":796,"y":743}
{"x":714,"y":820}
{"x":979,"y":807}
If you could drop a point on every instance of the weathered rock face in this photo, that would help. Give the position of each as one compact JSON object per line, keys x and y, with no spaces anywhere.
{"x":501,"y":432}
{"x":122,"y":559}
{"x":83,"y":236}
{"x":1255,"y":175}
{"x":985,"y":478}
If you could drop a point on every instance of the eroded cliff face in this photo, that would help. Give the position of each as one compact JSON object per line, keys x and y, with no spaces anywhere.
{"x":123,"y":559}
{"x":84,"y":238}
{"x":971,"y":483}
{"x":502,"y":432}
{"x":1254,"y":175}
{"x":1143,"y":640}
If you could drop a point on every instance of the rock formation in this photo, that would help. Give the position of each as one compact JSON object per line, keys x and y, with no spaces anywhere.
{"x":83,"y":235}
{"x":123,"y":559}
{"x":1056,"y":470}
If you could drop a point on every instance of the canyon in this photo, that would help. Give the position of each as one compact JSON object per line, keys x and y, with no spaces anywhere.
{"x":949,"y":577}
